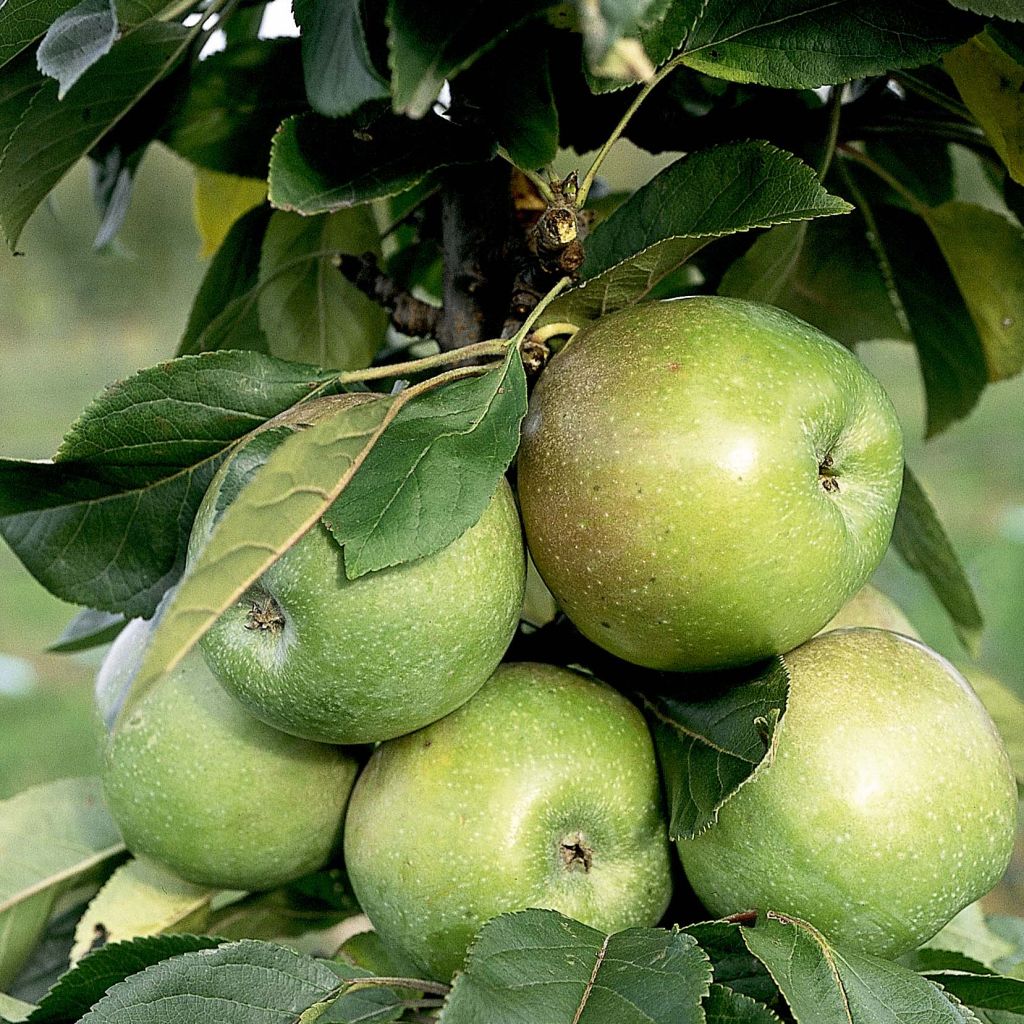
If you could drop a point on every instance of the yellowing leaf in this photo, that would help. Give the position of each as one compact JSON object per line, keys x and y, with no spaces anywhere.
{"x":991,"y":84}
{"x":218,"y":201}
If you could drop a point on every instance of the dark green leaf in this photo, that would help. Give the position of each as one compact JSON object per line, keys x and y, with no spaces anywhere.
{"x":88,"y":629}
{"x":246,"y":982}
{"x":985,"y":252}
{"x":22,"y":22}
{"x":537,"y":965}
{"x":512,"y":91}
{"x":41,"y":137}
{"x":824,"y":272}
{"x":309,"y":311}
{"x":924,"y":166}
{"x":926,"y":959}
{"x":826,"y":985}
{"x":362,"y":1005}
{"x":922,"y":542}
{"x":796,"y":44}
{"x":709,"y":194}
{"x":734,"y":965}
{"x":336,"y":63}
{"x":430,"y":43}
{"x":724,"y":1006}
{"x":235,"y":102}
{"x":320,"y":165}
{"x":708,"y":748}
{"x":928,"y":303}
{"x":233,"y":274}
{"x":49,"y":957}
{"x":107,"y":523}
{"x":93,"y":975}
{"x":21,"y":927}
{"x":76,"y":40}
{"x":432,"y":473}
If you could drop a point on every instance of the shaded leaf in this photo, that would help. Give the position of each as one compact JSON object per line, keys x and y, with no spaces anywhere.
{"x":922,"y":542}
{"x":21,"y":927}
{"x":336,"y":64}
{"x":924,"y":166}
{"x":982,"y":991}
{"x":89,"y":628}
{"x":985,"y":252}
{"x":298,"y":482}
{"x":1008,"y":9}
{"x":929,"y":305}
{"x":734,"y":966}
{"x":609,"y":44}
{"x":724,"y":1006}
{"x":969,"y":935}
{"x":536,"y":965}
{"x":107,"y":522}
{"x":309,"y":311}
{"x":22,"y":22}
{"x":319,"y":165}
{"x":826,"y":985}
{"x":429,"y":44}
{"x":991,"y":82}
{"x":433,"y":472}
{"x":141,"y":898}
{"x":41,"y":137}
{"x":797,"y":44}
{"x":76,"y":40}
{"x":234,"y":103}
{"x":93,"y":975}
{"x":224,"y":313}
{"x":708,"y":748}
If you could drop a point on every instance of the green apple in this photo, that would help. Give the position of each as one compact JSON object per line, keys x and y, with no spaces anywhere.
{"x":197,"y":784}
{"x":887,"y":807}
{"x":355,"y":661}
{"x":870,"y":607}
{"x":705,"y":481}
{"x":541,"y":791}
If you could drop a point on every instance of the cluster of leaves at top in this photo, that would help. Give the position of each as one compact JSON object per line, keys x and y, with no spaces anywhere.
{"x":843,"y":210}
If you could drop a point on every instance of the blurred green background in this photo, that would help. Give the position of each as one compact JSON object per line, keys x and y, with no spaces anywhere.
{"x":72,"y":320}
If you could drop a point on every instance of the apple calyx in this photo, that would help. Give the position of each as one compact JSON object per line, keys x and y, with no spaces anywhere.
{"x":828,"y":475}
{"x":265,"y":615}
{"x":576,"y":853}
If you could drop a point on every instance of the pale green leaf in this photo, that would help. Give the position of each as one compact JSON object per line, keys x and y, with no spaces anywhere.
{"x":724,"y":1006}
{"x":76,"y":40}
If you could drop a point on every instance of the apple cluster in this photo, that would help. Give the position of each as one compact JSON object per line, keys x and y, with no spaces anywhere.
{"x":703,"y":483}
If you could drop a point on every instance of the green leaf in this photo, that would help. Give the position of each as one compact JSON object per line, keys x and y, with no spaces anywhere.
{"x":699,"y":198}
{"x":708,"y":748}
{"x":922,"y":165}
{"x":361,"y":1005}
{"x":339,"y":73}
{"x":923,"y":544}
{"x":53,"y":838}
{"x":734,"y":966}
{"x":234,"y":103}
{"x":21,"y":928}
{"x":431,"y":43}
{"x":608,"y":31}
{"x":141,"y":898}
{"x":1010,"y":10}
{"x":798,"y":44}
{"x":22,"y":22}
{"x":985,"y":252}
{"x":93,"y":975}
{"x":13,"y":1011}
{"x":982,"y":991}
{"x":319,"y":165}
{"x":990,"y":82}
{"x":536,"y":965}
{"x":298,"y":482}
{"x":826,"y":985}
{"x":309,"y":311}
{"x":229,"y":284}
{"x":76,"y":40}
{"x":724,"y":1006}
{"x":41,"y":137}
{"x":247,"y":982}
{"x":824,"y":272}
{"x":106,"y":524}
{"x":433,"y":472}
{"x":89,"y":628}
{"x":970,"y":936}
{"x":929,"y":305}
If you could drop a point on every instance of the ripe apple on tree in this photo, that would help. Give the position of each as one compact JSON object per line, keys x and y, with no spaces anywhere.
{"x":886,"y":806}
{"x":541,"y":791}
{"x":705,"y":481}
{"x":199,"y":785}
{"x":316,"y":654}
